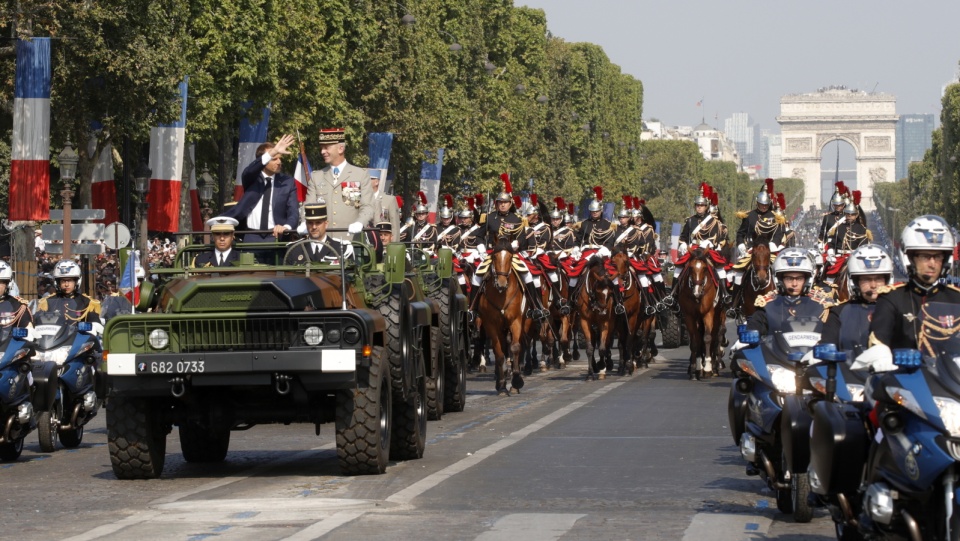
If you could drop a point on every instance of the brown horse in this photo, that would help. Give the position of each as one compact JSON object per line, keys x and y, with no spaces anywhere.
{"x":702,"y":313}
{"x":593,"y":301}
{"x":559,"y":321}
{"x":757,"y":281}
{"x":628,"y":323}
{"x":500,"y":316}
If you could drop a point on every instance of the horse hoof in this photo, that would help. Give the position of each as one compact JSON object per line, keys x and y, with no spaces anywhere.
{"x":514,"y":391}
{"x":601,"y":376}
{"x":482,"y":369}
{"x":504,"y":393}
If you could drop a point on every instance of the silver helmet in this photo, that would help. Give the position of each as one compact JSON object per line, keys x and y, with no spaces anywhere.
{"x":763,"y":198}
{"x":850,"y":208}
{"x":465,"y":213}
{"x":837,"y":199}
{"x":867,"y":260}
{"x":595,"y":203}
{"x":445,"y":213}
{"x":927,"y":232}
{"x":701,"y":200}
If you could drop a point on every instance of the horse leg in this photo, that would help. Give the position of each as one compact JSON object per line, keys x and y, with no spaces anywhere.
{"x":517,"y":345}
{"x":585,"y":327}
{"x":708,"y":344}
{"x":499,"y":364}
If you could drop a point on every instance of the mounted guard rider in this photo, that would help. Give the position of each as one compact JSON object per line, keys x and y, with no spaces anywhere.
{"x":562,"y":237}
{"x":759,"y":222}
{"x":448,"y":235}
{"x":422,"y":234}
{"x":703,"y":230}
{"x":596,"y":232}
{"x":831,"y":219}
{"x":646,"y":257}
{"x":504,"y":223}
{"x":820,"y":291}
{"x":537,"y":241}
{"x":846,"y":236}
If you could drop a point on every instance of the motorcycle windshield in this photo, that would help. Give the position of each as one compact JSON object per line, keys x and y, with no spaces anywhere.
{"x":52,"y":330}
{"x":939,"y":337}
{"x":801,"y":331}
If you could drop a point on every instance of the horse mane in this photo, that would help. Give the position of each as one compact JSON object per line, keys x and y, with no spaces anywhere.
{"x":763,"y":239}
{"x":619,"y":249}
{"x":503,"y":244}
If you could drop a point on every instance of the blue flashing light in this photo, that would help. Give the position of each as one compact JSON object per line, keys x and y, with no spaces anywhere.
{"x":821,"y":351}
{"x":742,"y":328}
{"x":795,"y":356}
{"x":835,"y":356}
{"x":84,"y":326}
{"x":750,"y":337}
{"x":20,"y":332}
{"x":907,"y":358}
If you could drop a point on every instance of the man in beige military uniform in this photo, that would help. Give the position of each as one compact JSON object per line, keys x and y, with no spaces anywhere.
{"x":345,"y":187}
{"x":385,"y":207}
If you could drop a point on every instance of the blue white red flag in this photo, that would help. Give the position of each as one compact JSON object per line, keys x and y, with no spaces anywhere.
{"x":128,"y":282}
{"x":30,"y":156}
{"x":104,"y":189}
{"x":302,"y":174}
{"x":253,"y":133}
{"x":167,"y":147}
{"x":430,"y":171}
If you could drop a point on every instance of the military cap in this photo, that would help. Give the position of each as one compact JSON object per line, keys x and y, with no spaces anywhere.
{"x":384,"y":226}
{"x":332,"y":135}
{"x":222,"y":224}
{"x":315,"y":211}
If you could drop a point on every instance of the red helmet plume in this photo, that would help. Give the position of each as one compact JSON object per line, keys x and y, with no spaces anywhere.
{"x":570,"y":208}
{"x":782,"y":201}
{"x":470,"y":203}
{"x":399,"y":202}
{"x":598,"y":192}
{"x":534,"y":200}
{"x":479,"y":199}
{"x":422,"y":197}
{"x":715,"y":199}
{"x":516,"y":201}
{"x":856,"y":197}
{"x":769,"y":183}
{"x":628,"y":202}
{"x":558,"y":201}
{"x":840,"y":187}
{"x":505,"y":177}
{"x":637,"y":202}
{"x":448,"y":199}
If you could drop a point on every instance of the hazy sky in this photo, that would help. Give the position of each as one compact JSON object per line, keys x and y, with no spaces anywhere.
{"x":742,"y":55}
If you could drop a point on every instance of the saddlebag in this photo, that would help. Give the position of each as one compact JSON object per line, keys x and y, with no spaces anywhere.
{"x":795,"y":433}
{"x":839,"y":445}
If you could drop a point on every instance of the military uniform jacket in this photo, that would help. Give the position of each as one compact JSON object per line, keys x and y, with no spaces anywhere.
{"x":627,"y":236}
{"x":469,"y":237}
{"x":756,"y":224}
{"x":385,"y":209}
{"x":596,"y":233}
{"x":773,"y":314}
{"x":896,"y":321}
{"x":697,"y":230}
{"x":849,"y":236}
{"x":212,"y":259}
{"x":829,"y":220}
{"x":562,"y":239}
{"x":538,"y":236}
{"x":647,"y":240}
{"x":848,"y":326}
{"x":16,"y":309}
{"x":342,"y":209}
{"x":74,"y":308}
{"x":328,"y":250}
{"x":510,"y":223}
{"x":114,"y":305}
{"x":423,"y":234}
{"x":448,"y":236}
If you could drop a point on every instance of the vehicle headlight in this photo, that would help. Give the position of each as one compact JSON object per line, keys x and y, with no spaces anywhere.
{"x":783,"y":379}
{"x":856,"y":392}
{"x":57,"y":355}
{"x":87,"y":346}
{"x":351,"y":335}
{"x":906,"y":399}
{"x":313,"y":336}
{"x":950,"y":413}
{"x":159,"y":339}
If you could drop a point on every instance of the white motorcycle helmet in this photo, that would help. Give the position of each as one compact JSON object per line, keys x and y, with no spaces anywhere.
{"x":793,"y":260}
{"x":867,"y":260}
{"x":6,"y":272}
{"x":67,"y":269}
{"x":816,"y":256}
{"x":927,"y":232}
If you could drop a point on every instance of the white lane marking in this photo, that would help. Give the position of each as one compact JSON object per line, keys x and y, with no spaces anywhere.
{"x":325,"y":526}
{"x":722,"y":527}
{"x":113,"y":527}
{"x":407,"y":495}
{"x":530,"y":527}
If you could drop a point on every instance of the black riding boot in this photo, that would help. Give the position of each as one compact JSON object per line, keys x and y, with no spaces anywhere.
{"x":734,"y":296}
{"x":660,"y":293}
{"x":618,"y":307}
{"x":537,"y":311}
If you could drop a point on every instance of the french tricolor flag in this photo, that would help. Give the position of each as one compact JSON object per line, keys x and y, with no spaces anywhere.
{"x":302,"y":174}
{"x":167,"y":143}
{"x":30,"y":159}
{"x":103,"y":188}
{"x":252,"y":135}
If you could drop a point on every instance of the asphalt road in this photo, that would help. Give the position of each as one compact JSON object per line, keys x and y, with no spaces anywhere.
{"x":647,"y":456}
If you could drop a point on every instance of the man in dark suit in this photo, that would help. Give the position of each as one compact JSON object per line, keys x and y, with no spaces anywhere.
{"x":223,"y":254}
{"x":269,"y":201}
{"x":318,"y":247}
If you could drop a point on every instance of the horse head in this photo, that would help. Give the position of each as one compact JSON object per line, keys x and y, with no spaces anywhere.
{"x":599,"y":286}
{"x":760,"y":262}
{"x":621,"y":260}
{"x":698,"y":273}
{"x":502,"y":263}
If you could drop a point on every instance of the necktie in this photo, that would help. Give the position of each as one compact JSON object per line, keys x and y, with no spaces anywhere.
{"x":336,"y":171}
{"x":221,"y":260}
{"x":265,"y":205}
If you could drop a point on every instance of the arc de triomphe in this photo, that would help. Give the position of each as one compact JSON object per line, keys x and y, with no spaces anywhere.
{"x":865,"y":120}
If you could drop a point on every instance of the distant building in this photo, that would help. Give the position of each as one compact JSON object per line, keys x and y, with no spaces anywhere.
{"x":773,"y":152}
{"x":914,"y":138}
{"x":745,"y":136}
{"x":713,"y":144}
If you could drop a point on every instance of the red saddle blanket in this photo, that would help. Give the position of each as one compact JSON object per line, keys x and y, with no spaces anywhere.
{"x":713,"y":254}
{"x":838,"y":265}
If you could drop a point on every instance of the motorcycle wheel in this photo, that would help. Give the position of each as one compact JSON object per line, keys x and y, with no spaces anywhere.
{"x":799,"y":490}
{"x":11,"y":451}
{"x":71,"y":438}
{"x":47,"y":426}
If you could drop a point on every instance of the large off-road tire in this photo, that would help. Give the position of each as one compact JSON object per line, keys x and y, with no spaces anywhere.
{"x":364,"y":421}
{"x":390,"y":310}
{"x":409,"y":436}
{"x":454,"y":340}
{"x":784,"y":501}
{"x":199,"y":444}
{"x":11,"y":451}
{"x":799,"y":490}
{"x":136,"y":438}
{"x":670,"y":329}
{"x":436,"y":385}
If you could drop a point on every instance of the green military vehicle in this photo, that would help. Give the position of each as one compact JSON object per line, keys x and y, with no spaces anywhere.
{"x":223,"y":349}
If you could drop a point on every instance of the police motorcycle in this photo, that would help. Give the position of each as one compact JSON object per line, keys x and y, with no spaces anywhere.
{"x":24,"y":388}
{"x":909,"y":488}
{"x":75,"y":350}
{"x":766,"y":371}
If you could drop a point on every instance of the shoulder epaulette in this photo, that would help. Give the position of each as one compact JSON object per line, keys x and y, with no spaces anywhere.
{"x":762,"y":301}
{"x":953,"y":287}
{"x":742,"y":214}
{"x":887,"y":289}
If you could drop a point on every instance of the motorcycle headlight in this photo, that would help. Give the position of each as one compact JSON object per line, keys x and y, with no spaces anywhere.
{"x":87,"y":346}
{"x":856,"y":392}
{"x":21,"y":353}
{"x":950,"y":413}
{"x":906,"y":399}
{"x":783,"y":379}
{"x":57,"y":355}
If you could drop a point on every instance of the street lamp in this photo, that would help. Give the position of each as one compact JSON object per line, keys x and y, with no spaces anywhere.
{"x":455,"y":46}
{"x":141,"y":184}
{"x":542,"y":99}
{"x":68,"y":159}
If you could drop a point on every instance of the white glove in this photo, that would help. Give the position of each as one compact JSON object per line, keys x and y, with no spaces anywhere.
{"x":515,"y":245}
{"x":302,"y":228}
{"x":774,"y":247}
{"x":879,"y":358}
{"x":603,"y":252}
{"x":355,"y":228}
{"x":707,"y":244}
{"x":742,"y":250}
{"x":576,"y":254}
{"x":481,"y":249}
{"x":538,"y":252}
{"x":682,"y":249}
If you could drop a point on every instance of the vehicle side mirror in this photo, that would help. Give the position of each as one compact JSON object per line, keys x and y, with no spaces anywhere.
{"x":147,"y":289}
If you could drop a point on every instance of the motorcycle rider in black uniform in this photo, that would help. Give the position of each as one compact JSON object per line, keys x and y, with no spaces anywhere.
{"x":793,"y":275}
{"x":848,"y":323}
{"x":13,"y":311}
{"x":69,"y":302}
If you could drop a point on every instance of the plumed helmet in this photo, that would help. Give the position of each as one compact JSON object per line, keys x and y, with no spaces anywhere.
{"x":465,"y":213}
{"x":446,"y":211}
{"x":469,"y":209}
{"x":837,"y":198}
{"x":530,"y":210}
{"x":66,"y":269}
{"x":927,"y":232}
{"x":793,"y":260}
{"x":763,"y":198}
{"x":570,"y":218}
{"x":816,"y":256}
{"x":6,"y":272}
{"x":421,"y":204}
{"x":595,"y":204}
{"x":560,"y":206}
{"x":867,"y":260}
{"x":507,"y":193}
{"x":626,"y":211}
{"x":850,"y":208}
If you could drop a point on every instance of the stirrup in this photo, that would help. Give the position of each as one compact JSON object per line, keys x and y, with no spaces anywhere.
{"x":650,"y":310}
{"x":668,"y":300}
{"x":471,"y":316}
{"x":619,"y":310}
{"x":564,"y":309}
{"x":731,"y":313}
